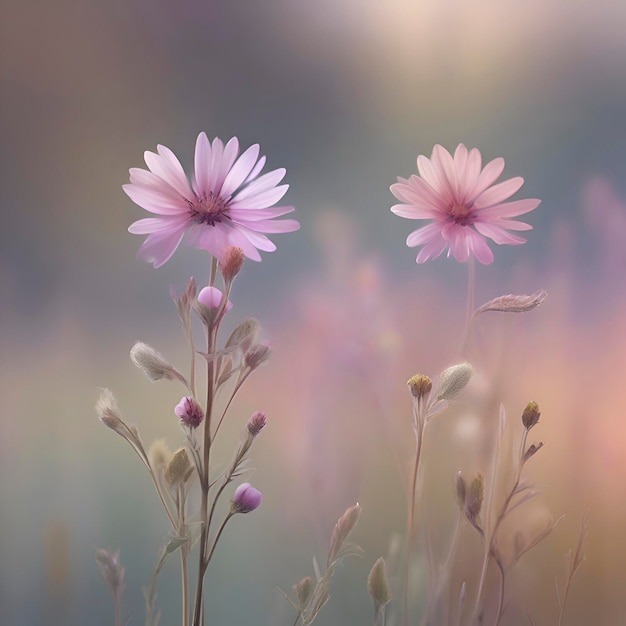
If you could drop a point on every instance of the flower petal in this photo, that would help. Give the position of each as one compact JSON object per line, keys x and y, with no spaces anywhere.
{"x":498,"y":234}
{"x":491,"y":172}
{"x":167,"y":167}
{"x":154,"y":201}
{"x":479,"y":247}
{"x":158,"y":248}
{"x":202,"y":164}
{"x":240,"y":170}
{"x":261,"y":200}
{"x":424,"y":235}
{"x":253,"y":215}
{"x":498,"y":193}
{"x":509,"y":209}
{"x":265,"y":182}
{"x":155,"y":225}
{"x":273,"y":226}
{"x":432,"y":249}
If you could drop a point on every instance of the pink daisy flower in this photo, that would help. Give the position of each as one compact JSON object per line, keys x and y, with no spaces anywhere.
{"x":463,"y":203}
{"x":226,"y":204}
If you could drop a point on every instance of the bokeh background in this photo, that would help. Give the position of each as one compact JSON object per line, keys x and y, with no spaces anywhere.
{"x":345,"y":95}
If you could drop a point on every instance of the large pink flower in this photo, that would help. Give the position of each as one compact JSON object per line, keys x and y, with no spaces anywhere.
{"x":463,"y":203}
{"x":226,"y":204}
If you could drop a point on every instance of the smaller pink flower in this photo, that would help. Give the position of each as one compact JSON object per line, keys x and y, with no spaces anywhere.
{"x":189,"y":412}
{"x":211,"y":298}
{"x":246,"y":499}
{"x":464,"y":205}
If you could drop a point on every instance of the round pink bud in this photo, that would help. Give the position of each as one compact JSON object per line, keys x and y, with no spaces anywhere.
{"x":211,"y":298}
{"x":189,"y":412}
{"x":246,"y":499}
{"x":256,"y":423}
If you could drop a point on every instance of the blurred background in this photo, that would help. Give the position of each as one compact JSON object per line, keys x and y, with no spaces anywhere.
{"x":345,"y":95}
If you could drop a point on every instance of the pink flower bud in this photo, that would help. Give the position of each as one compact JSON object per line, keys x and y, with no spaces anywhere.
{"x":189,"y":412}
{"x":256,"y":423}
{"x":231,"y":262}
{"x":246,"y":499}
{"x":211,"y":298}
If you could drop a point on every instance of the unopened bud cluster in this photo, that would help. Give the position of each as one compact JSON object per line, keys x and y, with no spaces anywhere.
{"x":256,"y":423}
{"x":245,"y":499}
{"x":474,"y":497}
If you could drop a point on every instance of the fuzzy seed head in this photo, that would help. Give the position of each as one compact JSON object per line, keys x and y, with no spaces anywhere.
{"x":151,"y":363}
{"x":159,"y":454}
{"x":178,"y":468}
{"x":108,"y":411}
{"x":531,"y":415}
{"x":419,"y":386}
{"x":377,"y":585}
{"x":453,"y":380}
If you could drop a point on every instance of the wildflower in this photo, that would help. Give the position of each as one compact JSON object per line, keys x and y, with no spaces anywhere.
{"x":246,"y":499}
{"x":189,"y":412}
{"x":463,"y":203}
{"x":256,"y":423}
{"x":211,"y":298}
{"x":226,"y":204}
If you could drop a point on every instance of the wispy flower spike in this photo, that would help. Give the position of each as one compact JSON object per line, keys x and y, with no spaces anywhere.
{"x":464,"y":204}
{"x":513,"y":303}
{"x":226,"y":203}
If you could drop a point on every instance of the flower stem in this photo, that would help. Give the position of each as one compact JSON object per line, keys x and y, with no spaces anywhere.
{"x":469,"y":314}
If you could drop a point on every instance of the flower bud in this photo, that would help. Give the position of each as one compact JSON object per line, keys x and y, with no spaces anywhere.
{"x":377,"y":585}
{"x":460,"y":489}
{"x":474,"y":497}
{"x":256,"y":423}
{"x":453,"y":380}
{"x":211,"y":298}
{"x":419,"y":386}
{"x":111,"y":570}
{"x":303,"y":591}
{"x":257,"y":355}
{"x":246,"y":499}
{"x":231,"y":262}
{"x":178,"y":469}
{"x":531,"y":415}
{"x":189,"y":412}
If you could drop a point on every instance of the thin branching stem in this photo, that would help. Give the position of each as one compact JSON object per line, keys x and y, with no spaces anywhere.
{"x":419,"y":425}
{"x":490,"y":535}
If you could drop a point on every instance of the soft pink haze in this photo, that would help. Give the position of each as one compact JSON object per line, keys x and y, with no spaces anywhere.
{"x":464,"y":203}
{"x":226,"y":204}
